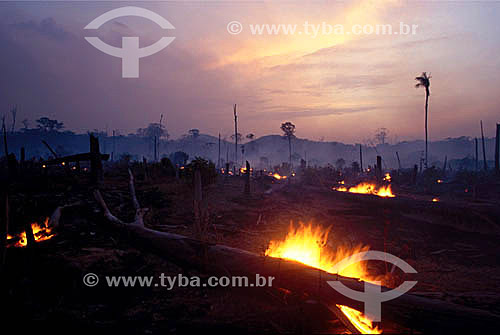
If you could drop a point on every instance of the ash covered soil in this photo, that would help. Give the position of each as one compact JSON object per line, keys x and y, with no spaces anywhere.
{"x":453,"y":246}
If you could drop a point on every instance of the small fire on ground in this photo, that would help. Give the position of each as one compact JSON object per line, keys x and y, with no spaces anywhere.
{"x":276,"y":176}
{"x":306,"y":244}
{"x":41,"y":232}
{"x":368,"y":188}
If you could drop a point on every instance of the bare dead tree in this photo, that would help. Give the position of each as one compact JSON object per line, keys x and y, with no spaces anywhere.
{"x":235,"y":135}
{"x":425,"y":81}
{"x":5,"y":146}
{"x":218,"y":155}
{"x":288,"y":129}
{"x":13,"y":111}
{"x":497,"y":150}
{"x":484,"y":148}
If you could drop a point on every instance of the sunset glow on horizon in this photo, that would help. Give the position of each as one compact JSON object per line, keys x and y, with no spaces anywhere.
{"x":326,"y":84}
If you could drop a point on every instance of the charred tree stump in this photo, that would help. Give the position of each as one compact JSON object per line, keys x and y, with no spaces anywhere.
{"x":23,"y":158}
{"x":497,"y":150}
{"x":414,"y":175}
{"x":200,"y":217}
{"x":378,"y":171}
{"x":3,"y":234}
{"x":145,"y":167}
{"x":218,"y":155}
{"x":399,"y":161}
{"x":361,"y":158}
{"x":235,"y":136}
{"x":247,"y":178}
{"x":155,"y":150}
{"x":30,"y":238}
{"x":477,"y":155}
{"x":96,"y":173}
{"x":484,"y":148}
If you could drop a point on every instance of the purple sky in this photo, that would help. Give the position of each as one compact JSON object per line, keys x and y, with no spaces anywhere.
{"x":338,"y":88}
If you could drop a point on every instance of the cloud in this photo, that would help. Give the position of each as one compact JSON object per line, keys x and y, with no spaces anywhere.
{"x":358,"y":81}
{"x":281,"y":112}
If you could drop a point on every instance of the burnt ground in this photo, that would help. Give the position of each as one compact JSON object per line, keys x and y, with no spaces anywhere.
{"x":452,"y":244}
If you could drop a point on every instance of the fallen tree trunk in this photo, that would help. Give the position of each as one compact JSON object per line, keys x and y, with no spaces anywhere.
{"x":410,"y":311}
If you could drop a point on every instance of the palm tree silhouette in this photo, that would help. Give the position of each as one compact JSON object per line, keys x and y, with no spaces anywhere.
{"x":288,"y":129}
{"x":425,"y":81}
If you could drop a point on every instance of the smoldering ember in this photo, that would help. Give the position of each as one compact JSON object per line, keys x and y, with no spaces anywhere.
{"x":225,"y":180}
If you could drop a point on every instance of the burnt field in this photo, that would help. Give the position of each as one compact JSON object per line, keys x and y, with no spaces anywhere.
{"x":451,"y":242}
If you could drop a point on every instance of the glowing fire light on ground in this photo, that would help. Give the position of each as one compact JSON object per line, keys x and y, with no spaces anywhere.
{"x":277,"y":176}
{"x":435,"y":200}
{"x":244,"y":170}
{"x":359,"y":320}
{"x":387,"y":177}
{"x":368,"y":188}
{"x":306,"y":244}
{"x":40,"y":233}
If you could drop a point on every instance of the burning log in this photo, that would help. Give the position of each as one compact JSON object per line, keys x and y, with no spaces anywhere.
{"x":30,"y":237}
{"x":423,"y":314}
{"x":36,"y":232}
{"x":369,"y":188}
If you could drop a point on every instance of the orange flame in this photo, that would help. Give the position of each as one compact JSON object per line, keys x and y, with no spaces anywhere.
{"x":277,"y":176}
{"x":369,"y":188}
{"x":306,"y":244}
{"x":362,"y":323}
{"x":40,"y":233}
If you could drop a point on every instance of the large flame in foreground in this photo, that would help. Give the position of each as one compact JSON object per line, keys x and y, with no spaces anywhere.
{"x":40,"y":233}
{"x":359,"y":320}
{"x":306,"y":244}
{"x":368,"y":188}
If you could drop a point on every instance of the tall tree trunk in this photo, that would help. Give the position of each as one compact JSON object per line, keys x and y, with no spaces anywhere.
{"x":497,"y":150}
{"x":484,"y":148}
{"x":477,"y":155}
{"x":426,"y":130}
{"x":290,"y":152}
{"x":235,"y":136}
{"x":399,"y":160}
{"x":5,"y":147}
{"x":218,"y":155}
{"x":361,"y":158}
